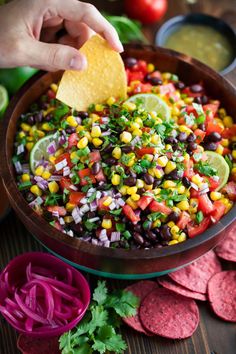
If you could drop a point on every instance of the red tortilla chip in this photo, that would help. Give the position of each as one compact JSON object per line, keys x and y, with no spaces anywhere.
{"x":168,"y":283}
{"x":227,"y":248}
{"x":195,"y":276}
{"x":141,"y":290}
{"x":30,"y":345}
{"x":222,"y":295}
{"x":168,"y":314}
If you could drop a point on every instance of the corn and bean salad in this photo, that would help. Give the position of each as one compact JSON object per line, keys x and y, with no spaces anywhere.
{"x":122,"y":176}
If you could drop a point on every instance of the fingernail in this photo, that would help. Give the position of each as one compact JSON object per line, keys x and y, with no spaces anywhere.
{"x":78,"y":63}
{"x":120,"y":48}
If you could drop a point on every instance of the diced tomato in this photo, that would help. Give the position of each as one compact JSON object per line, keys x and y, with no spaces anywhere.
{"x":75,"y":197}
{"x":188,"y":92}
{"x":145,"y":150}
{"x":200,"y":135}
{"x":229,"y":133}
{"x":155,"y":206}
{"x":142,"y":66}
{"x":213,"y":184}
{"x":136,"y":76}
{"x":188,"y":168}
{"x":226,"y":151}
{"x":94,"y":156}
{"x":190,"y":109}
{"x":184,"y":220}
{"x":73,"y":140}
{"x":212,"y":107}
{"x":230,"y":190}
{"x":194,"y":230}
{"x":57,"y":225}
{"x":146,"y":129}
{"x":142,"y":88}
{"x":51,"y":94}
{"x":65,"y":156}
{"x":205,"y":204}
{"x":65,"y":183}
{"x":58,"y":209}
{"x":101,"y":206}
{"x":130,"y":214}
{"x":156,"y":73}
{"x":100,"y":177}
{"x":168,"y":88}
{"x":144,"y":201}
{"x":218,"y":212}
{"x":194,"y":193}
{"x":213,"y":127}
{"x":86,"y":176}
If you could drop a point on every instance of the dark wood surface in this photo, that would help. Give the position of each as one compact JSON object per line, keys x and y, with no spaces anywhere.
{"x":213,"y":336}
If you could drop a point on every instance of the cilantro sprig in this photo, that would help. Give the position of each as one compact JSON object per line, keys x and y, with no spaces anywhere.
{"x":97,"y":332}
{"x":205,"y":169}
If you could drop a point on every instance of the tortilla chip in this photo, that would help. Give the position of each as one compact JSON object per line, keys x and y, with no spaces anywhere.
{"x":104,"y":77}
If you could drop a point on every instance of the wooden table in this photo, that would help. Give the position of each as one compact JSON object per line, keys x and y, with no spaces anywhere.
{"x":213,"y":336}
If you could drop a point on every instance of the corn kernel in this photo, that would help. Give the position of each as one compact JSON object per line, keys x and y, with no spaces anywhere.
{"x":173,"y":242}
{"x":25,"y":177}
{"x":106,"y":223}
{"x":54,"y":87}
{"x":148,"y":187}
{"x":188,"y":100}
{"x":82,"y":143}
{"x":175,"y":111}
{"x":70,"y":207}
{"x":74,"y":155}
{"x":46,"y":174}
{"x":193,"y":205}
{"x":182,"y":237}
{"x":150,"y":68}
{"x":139,"y":121}
{"x":132,"y":190}
{"x":45,"y":112}
{"x":153,"y":114}
{"x":225,"y":142}
{"x":30,"y":138}
{"x":115,"y":180}
{"x":39,"y":171}
{"x":47,"y":127}
{"x":157,"y":191}
{"x":183,"y":205}
{"x":25,"y":127}
{"x":116,"y":152}
{"x":228,"y":121}
{"x":29,"y":146}
{"x":94,"y":117}
{"x":174,"y":229}
{"x":123,"y":190}
{"x":215,"y":196}
{"x":171,"y":223}
{"x":156,"y":223}
{"x":139,"y":183}
{"x":196,"y":179}
{"x":97,"y":142}
{"x":137,"y":132}
{"x":132,"y":203}
{"x":169,"y":184}
{"x":111,"y":101}
{"x":125,"y":137}
{"x":170,"y":166}
{"x":234,"y":154}
{"x":130,"y":106}
{"x":21,"y":135}
{"x":155,"y":139}
{"x":130,"y":163}
{"x":151,"y":171}
{"x":52,"y":159}
{"x":59,"y":152}
{"x":220,"y":149}
{"x":96,"y":132}
{"x":36,"y":190}
{"x":162,"y":161}
{"x":176,"y":210}
{"x":181,"y":190}
{"x":168,"y":147}
{"x":72,"y":121}
{"x":175,"y":236}
{"x":184,"y":129}
{"x":166,"y":76}
{"x":53,"y":187}
{"x":233,"y":170}
{"x":222,"y":112}
{"x":68,"y":219}
{"x":134,"y":125}
{"x":135,"y":197}
{"x":158,"y":173}
{"x":99,"y":107}
{"x":107,"y":201}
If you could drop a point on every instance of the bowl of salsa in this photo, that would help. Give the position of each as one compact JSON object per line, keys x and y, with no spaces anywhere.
{"x":129,"y":188}
{"x":203,"y":37}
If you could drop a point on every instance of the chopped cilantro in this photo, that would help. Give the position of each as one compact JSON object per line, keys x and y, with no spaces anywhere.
{"x":52,"y":199}
{"x":75,"y":179}
{"x":127,"y":235}
{"x":116,"y":212}
{"x":154,"y":216}
{"x":85,"y":188}
{"x":199,"y":217}
{"x":120,"y":227}
{"x":24,"y":185}
{"x":229,"y":162}
{"x":90,"y":225}
{"x":92,"y":197}
{"x":205,"y":169}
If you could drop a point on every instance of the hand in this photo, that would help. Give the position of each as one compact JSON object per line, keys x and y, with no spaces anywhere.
{"x":25,"y":26}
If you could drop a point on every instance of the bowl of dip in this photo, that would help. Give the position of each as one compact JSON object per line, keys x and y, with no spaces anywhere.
{"x":203,"y":37}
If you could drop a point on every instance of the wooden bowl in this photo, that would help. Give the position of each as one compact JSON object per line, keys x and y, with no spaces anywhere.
{"x":116,"y":263}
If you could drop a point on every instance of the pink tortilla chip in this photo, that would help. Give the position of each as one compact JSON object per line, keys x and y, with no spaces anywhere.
{"x":168,"y":314}
{"x":141,"y":290}
{"x":227,"y":248}
{"x":168,"y":283}
{"x":31,"y":345}
{"x":195,"y":276}
{"x":222,"y":295}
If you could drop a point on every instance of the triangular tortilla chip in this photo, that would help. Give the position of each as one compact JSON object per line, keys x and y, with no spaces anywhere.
{"x":104,"y":77}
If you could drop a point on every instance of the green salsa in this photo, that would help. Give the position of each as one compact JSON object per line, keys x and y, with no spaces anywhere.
{"x":203,"y":43}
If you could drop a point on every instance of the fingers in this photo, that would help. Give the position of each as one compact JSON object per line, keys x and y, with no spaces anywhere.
{"x":53,"y":57}
{"x":80,"y":31}
{"x":77,"y":11}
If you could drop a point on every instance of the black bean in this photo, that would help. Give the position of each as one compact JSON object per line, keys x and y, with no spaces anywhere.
{"x":44,"y":105}
{"x":81,"y":114}
{"x":70,"y":130}
{"x":182,"y":137}
{"x":130,"y":181}
{"x":91,"y":214}
{"x":96,"y":167}
{"x":202,"y":126}
{"x":39,"y":117}
{"x":130,"y":62}
{"x":179,"y":85}
{"x":164,"y":243}
{"x":157,"y":182}
{"x":47,"y":215}
{"x":141,"y":191}
{"x":192,"y":146}
{"x":210,"y":146}
{"x":196,"y":88}
{"x":30,"y":120}
{"x":29,"y":197}
{"x":148,"y":179}
{"x":155,"y":81}
{"x":146,"y":244}
{"x":126,"y":149}
{"x":191,"y":138}
{"x":77,"y":228}
{"x":111,"y":161}
{"x":171,"y":140}
{"x":175,"y":147}
{"x":132,"y":174}
{"x":186,"y":182}
{"x":173,"y":216}
{"x":48,"y":117}
{"x":173,"y":175}
{"x":137,"y":228}
{"x":151,"y":235}
{"x":204,"y":99}
{"x":108,"y":148}
{"x":138,"y":238}
{"x":213,"y":137}
{"x":198,"y":100}
{"x":158,"y":245}
{"x":165,"y":232}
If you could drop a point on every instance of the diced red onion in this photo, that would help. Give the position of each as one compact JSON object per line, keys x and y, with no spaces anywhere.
{"x":194,"y":186}
{"x":36,"y":202}
{"x":27,"y":311}
{"x":54,"y":178}
{"x":69,"y":276}
{"x":55,"y":213}
{"x":106,"y":243}
{"x":103,"y":238}
{"x":62,"y":140}
{"x":10,"y":316}
{"x":18,"y":167}
{"x":121,"y":202}
{"x":86,"y":239}
{"x":78,"y":120}
{"x":105,"y":120}
{"x":94,"y":241}
{"x":51,"y":149}
{"x":66,"y":171}
{"x":93,"y":205}
{"x":84,"y":200}
{"x":84,"y":209}
{"x":106,"y":133}
{"x":61,"y":221}
{"x":103,"y":232}
{"x":60,"y":165}
{"x":20,"y":149}
{"x":76,"y":215}
{"x":112,"y":206}
{"x":204,"y":191}
{"x":98,"y":195}
{"x":94,"y":219}
{"x":135,"y":141}
{"x":74,"y":188}
{"x":115,"y":236}
{"x":25,"y":168}
{"x":43,"y":185}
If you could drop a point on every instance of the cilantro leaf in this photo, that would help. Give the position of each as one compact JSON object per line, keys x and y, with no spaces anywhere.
{"x":100,"y":293}
{"x":205,"y":169}
{"x":199,"y":217}
{"x":123,"y":302}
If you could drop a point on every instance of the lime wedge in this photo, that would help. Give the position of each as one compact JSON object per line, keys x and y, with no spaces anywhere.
{"x":39,"y":151}
{"x":218,"y":162}
{"x":151,"y":102}
{"x":3,"y":100}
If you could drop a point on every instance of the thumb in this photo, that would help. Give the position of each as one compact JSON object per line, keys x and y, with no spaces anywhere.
{"x":53,"y":57}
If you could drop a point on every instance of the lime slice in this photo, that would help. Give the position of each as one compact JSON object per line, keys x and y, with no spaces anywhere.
{"x":3,"y":100}
{"x":39,"y":151}
{"x":218,"y":162}
{"x":151,"y":102}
